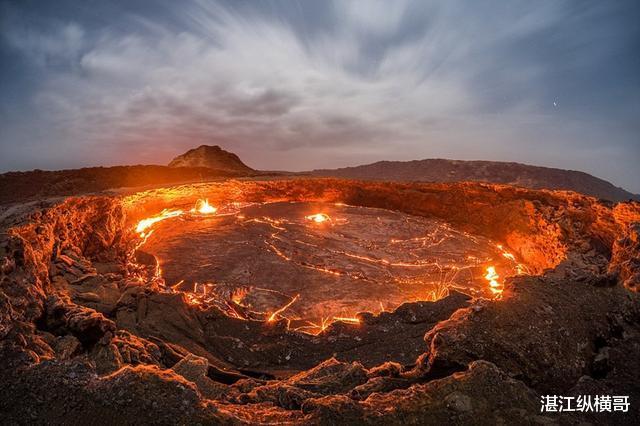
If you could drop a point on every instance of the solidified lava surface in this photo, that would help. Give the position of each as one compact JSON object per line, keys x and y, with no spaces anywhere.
{"x":90,"y":327}
{"x":357,"y":259}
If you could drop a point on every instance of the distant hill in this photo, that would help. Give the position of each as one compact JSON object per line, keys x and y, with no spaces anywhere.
{"x":441,"y":170}
{"x":199,"y":164}
{"x":212,"y":157}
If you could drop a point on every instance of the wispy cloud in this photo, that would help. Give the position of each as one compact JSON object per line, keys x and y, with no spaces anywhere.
{"x":290,"y":88}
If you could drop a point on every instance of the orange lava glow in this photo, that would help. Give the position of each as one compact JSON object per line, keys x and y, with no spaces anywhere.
{"x":147,"y":223}
{"x":520,"y":268}
{"x":238,"y":295}
{"x":143,"y":226}
{"x":203,"y":207}
{"x":318,"y":217}
{"x":492,"y":276}
{"x":316,"y":328}
{"x":348,"y":320}
{"x":274,"y":315}
{"x":203,"y":294}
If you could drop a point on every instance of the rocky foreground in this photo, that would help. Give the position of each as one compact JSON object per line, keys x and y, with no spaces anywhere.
{"x":89,"y":333}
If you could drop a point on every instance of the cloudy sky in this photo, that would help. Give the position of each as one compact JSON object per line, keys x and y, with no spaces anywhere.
{"x":298,"y":85}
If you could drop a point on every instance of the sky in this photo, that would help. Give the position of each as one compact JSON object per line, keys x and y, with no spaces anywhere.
{"x":298,"y":85}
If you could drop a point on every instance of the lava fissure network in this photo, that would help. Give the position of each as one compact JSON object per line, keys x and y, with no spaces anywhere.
{"x":276,"y":260}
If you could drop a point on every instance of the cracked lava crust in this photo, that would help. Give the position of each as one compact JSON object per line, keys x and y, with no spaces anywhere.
{"x":264,"y":257}
{"x":317,"y":301}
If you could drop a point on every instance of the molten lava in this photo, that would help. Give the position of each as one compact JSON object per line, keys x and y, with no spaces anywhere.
{"x":274,"y":315}
{"x":348,"y":320}
{"x":203,"y":207}
{"x":145,"y":224}
{"x":492,"y":276}
{"x":318,"y":217}
{"x":424,"y":258}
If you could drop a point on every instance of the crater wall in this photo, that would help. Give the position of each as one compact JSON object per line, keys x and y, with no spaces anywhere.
{"x":73,"y":318}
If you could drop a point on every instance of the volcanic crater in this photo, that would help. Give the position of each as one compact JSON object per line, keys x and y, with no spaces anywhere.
{"x":313,"y":262}
{"x":317,"y":301}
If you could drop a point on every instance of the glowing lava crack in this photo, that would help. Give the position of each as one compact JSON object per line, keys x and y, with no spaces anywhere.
{"x":273,"y":261}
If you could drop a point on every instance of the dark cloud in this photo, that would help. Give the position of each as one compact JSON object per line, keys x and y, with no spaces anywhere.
{"x":269,"y":103}
{"x":299,"y":85}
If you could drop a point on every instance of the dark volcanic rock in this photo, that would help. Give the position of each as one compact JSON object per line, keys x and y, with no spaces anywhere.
{"x":483,"y":394}
{"x":39,"y":184}
{"x":549,"y":353}
{"x":212,"y":157}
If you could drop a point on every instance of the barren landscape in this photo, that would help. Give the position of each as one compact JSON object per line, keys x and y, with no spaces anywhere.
{"x":92,"y":304}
